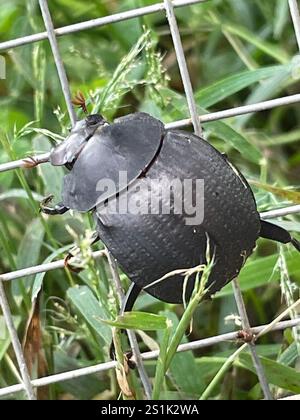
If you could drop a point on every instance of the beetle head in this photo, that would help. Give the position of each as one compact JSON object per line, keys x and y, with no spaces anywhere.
{"x":68,"y":151}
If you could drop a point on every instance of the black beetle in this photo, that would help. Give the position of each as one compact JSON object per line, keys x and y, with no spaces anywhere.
{"x":149,"y":244}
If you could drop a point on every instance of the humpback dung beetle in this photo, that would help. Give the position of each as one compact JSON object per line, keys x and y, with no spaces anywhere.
{"x":149,"y":244}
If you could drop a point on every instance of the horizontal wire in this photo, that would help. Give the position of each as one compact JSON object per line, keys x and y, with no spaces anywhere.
{"x":213,"y":116}
{"x":240,"y":110}
{"x":43,"y":268}
{"x":286,"y":211}
{"x":103,"y":367}
{"x":25,"y":162}
{"x":95,"y":23}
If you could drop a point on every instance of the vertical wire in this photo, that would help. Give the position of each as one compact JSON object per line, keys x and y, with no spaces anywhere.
{"x":186,"y":80}
{"x":57,"y":58}
{"x":246,"y":326}
{"x":16,"y":344}
{"x":294,"y":9}
{"x":131,"y":335}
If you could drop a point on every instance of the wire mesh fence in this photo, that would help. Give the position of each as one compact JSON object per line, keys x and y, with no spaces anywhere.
{"x":168,"y":7}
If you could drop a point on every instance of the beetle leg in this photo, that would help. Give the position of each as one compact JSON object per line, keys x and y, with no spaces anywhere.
{"x":277,"y":233}
{"x":105,"y":221}
{"x":56,"y":210}
{"x":69,"y":266}
{"x":31,"y":162}
{"x":130,"y":298}
{"x":94,"y":239}
{"x":127,"y":305}
{"x":53,"y":211}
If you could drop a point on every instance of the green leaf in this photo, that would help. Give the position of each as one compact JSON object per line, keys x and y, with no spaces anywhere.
{"x":23,"y":67}
{"x":189,"y":384}
{"x":52,"y":176}
{"x":44,"y":133}
{"x":270,"y":89}
{"x":220,"y":129}
{"x":290,"y":355}
{"x":284,"y":193}
{"x":267,"y":47}
{"x":235,"y":139}
{"x":18,"y":193}
{"x":281,"y":17}
{"x":292,"y":136}
{"x":4,"y":334}
{"x":259,"y":271}
{"x":108,"y":99}
{"x":161,"y":363}
{"x":84,"y":387}
{"x":207,"y":368}
{"x":91,"y":310}
{"x":38,"y":281}
{"x":28,"y":255}
{"x":132,"y":28}
{"x":288,"y":225}
{"x":8,"y":14}
{"x":276,"y":373}
{"x":226,"y":87}
{"x":139,"y":321}
{"x":265,"y":350}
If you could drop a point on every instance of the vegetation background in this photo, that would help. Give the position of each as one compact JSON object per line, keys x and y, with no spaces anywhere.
{"x":238,"y":52}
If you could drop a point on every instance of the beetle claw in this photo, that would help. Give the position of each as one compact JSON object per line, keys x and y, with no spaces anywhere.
{"x":129,"y":360}
{"x":47,"y":200}
{"x":30,"y":162}
{"x":246,"y":336}
{"x":128,"y":356}
{"x":69,"y":266}
{"x":112,"y":351}
{"x":44,"y":203}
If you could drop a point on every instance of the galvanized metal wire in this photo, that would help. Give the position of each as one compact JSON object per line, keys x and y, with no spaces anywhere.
{"x":58,"y":60}
{"x":212,"y":116}
{"x":186,"y":80}
{"x":131,"y":334}
{"x":51,"y":34}
{"x":103,"y":367}
{"x":294,"y":9}
{"x":16,"y":344}
{"x":246,"y":326}
{"x":96,"y":23}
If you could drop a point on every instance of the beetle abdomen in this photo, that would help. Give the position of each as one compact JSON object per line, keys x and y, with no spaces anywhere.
{"x":148,"y":246}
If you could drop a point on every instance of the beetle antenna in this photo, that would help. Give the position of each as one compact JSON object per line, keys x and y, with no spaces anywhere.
{"x":79,"y":100}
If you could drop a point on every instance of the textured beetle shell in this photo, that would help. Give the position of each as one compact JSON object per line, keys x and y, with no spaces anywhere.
{"x":149,"y":246}
{"x":128,"y":145}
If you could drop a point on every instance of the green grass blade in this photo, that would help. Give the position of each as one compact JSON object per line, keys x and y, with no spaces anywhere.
{"x":90,"y":309}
